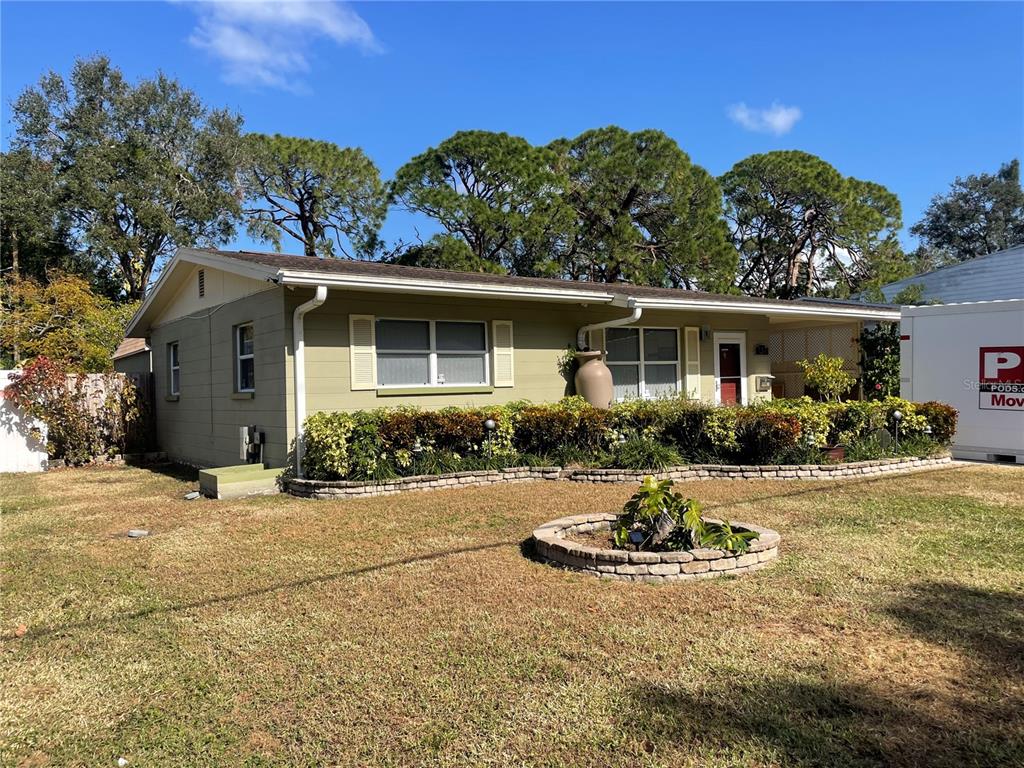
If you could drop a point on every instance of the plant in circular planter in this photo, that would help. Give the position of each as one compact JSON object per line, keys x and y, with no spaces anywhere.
{"x":657,"y":518}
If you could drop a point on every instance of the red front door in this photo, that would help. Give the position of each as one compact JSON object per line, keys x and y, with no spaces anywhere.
{"x":729,"y":373}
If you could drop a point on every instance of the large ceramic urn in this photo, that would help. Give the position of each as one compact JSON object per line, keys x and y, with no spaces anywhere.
{"x":593,"y":379}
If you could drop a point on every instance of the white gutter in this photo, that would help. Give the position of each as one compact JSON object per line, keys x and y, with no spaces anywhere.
{"x":299,"y":359}
{"x":442,"y":287}
{"x":581,"y":334}
{"x":794,"y":309}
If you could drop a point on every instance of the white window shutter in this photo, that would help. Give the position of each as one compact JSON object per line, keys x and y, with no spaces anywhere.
{"x":504,"y":354}
{"x":362,"y":351}
{"x":693,"y":363}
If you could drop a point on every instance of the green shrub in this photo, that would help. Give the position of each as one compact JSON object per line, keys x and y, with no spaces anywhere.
{"x":827,"y":376}
{"x":941,"y":418}
{"x":643,"y":453}
{"x":383,"y":443}
{"x":880,"y":360}
{"x":326,"y":455}
{"x":765,"y":437}
{"x":658,"y":518}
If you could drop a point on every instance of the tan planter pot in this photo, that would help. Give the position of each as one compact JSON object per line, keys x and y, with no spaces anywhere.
{"x":593,"y":379}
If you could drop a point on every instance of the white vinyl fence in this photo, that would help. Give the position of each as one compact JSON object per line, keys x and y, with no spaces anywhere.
{"x":19,"y":450}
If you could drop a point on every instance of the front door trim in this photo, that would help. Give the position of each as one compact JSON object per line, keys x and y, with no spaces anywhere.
{"x":731,"y":337}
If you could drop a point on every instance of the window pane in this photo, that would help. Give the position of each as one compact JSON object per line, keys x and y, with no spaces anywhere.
{"x":245,"y":340}
{"x":175,"y":381}
{"x":660,"y":344}
{"x":625,"y":381}
{"x":453,"y":337}
{"x":660,"y":380}
{"x":403,"y":334}
{"x":461,"y":369}
{"x":246,"y":374}
{"x":174,"y":355}
{"x":623,"y":344}
{"x":402,"y":368}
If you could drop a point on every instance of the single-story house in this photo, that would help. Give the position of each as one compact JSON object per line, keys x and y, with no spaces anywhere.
{"x":245,"y":345}
{"x":996,"y":276}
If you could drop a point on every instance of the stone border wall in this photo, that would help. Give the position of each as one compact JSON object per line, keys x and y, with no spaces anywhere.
{"x":333,"y":489}
{"x":551,"y":545}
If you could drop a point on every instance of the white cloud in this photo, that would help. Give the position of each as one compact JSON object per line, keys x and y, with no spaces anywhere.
{"x":264,"y":43}
{"x":777,"y":118}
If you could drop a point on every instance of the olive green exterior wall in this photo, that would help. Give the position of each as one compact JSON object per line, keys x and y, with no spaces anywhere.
{"x":541,"y":332}
{"x":201,"y":425}
{"x":137,"y":363}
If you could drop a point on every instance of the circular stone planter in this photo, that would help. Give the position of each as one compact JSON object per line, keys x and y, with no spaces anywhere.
{"x":552,"y":546}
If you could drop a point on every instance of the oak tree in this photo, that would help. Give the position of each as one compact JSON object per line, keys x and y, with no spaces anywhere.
{"x":139,"y":169}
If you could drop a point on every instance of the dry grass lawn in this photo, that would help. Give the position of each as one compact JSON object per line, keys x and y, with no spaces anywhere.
{"x":412,"y":630}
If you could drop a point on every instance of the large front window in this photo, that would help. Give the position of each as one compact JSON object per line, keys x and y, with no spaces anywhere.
{"x":644,"y":362}
{"x":413,"y":353}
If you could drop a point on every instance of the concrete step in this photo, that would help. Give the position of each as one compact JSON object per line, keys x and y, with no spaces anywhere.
{"x":239,"y":480}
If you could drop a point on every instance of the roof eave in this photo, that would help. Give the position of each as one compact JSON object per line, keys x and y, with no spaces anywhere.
{"x":441,"y":288}
{"x":789,"y":309}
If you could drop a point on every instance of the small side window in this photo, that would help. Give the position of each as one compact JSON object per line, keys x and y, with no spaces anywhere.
{"x":245,"y":368}
{"x":173,"y":369}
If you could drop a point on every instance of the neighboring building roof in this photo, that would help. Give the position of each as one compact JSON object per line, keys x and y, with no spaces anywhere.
{"x":290,"y":270}
{"x":992,"y":277}
{"x":129,"y":347}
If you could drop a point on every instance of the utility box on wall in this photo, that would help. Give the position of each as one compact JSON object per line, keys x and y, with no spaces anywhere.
{"x":970,"y":356}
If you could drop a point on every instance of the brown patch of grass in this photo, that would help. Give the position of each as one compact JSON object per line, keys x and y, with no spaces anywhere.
{"x":412,"y":630}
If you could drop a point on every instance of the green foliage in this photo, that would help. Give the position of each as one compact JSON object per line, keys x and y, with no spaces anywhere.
{"x":980,"y":214}
{"x":801,"y":227}
{"x":84,"y":418}
{"x":941,"y":418}
{"x":827,"y":376}
{"x":723,"y":536}
{"x":643,"y":453}
{"x":659,"y":518}
{"x":650,"y":435}
{"x":641,"y":212}
{"x":880,"y":360}
{"x":322,"y":195}
{"x":495,"y":192}
{"x":765,"y":437}
{"x":606,"y":206}
{"x":63,"y":320}
{"x":138,"y":170}
{"x":445,"y":251}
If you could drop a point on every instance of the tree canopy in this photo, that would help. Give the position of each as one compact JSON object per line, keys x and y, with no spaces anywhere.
{"x":138,"y":169}
{"x":326,"y":197}
{"x":609,"y":205}
{"x":495,"y":192}
{"x":980,"y":214}
{"x":63,"y":320}
{"x":801,"y":227}
{"x":642,"y":212}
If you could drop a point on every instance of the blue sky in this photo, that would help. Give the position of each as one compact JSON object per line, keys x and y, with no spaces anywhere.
{"x":908,"y":95}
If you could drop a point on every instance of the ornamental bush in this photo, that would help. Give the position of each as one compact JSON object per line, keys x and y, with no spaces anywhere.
{"x":86,"y":416}
{"x":389,"y":442}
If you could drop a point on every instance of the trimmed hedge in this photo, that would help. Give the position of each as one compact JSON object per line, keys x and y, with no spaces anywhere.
{"x":389,"y":442}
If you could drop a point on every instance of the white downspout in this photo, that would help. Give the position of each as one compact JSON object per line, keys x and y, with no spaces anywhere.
{"x":299,"y":360}
{"x":581,"y":334}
